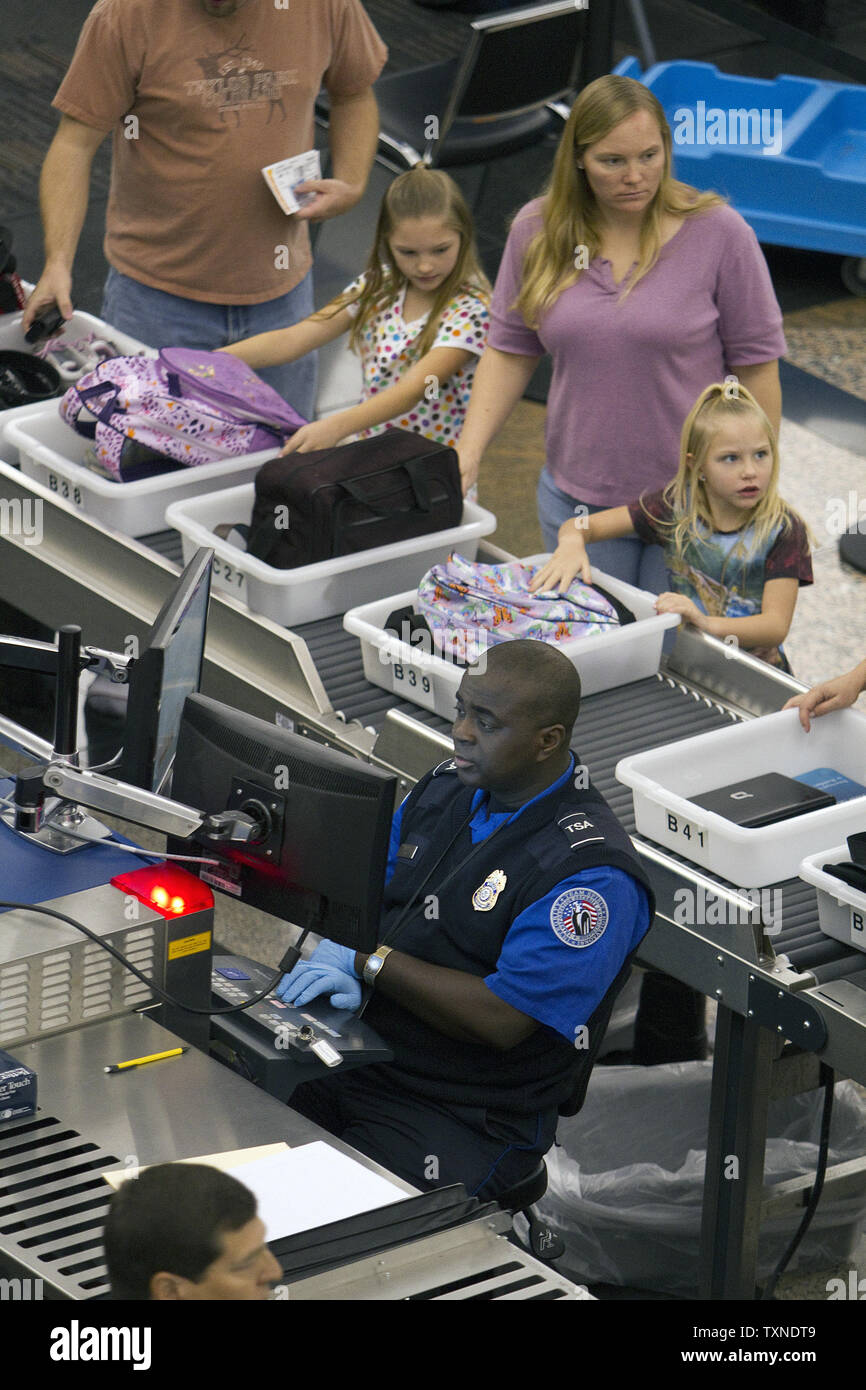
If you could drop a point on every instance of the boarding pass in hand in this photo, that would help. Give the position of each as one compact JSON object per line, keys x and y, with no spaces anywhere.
{"x":283,"y":177}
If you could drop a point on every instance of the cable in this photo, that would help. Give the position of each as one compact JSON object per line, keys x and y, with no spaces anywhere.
{"x":827,"y":1081}
{"x":134,"y":849}
{"x":157,"y":989}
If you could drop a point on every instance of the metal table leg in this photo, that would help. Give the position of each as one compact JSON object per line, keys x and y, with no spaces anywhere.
{"x":734,"y":1179}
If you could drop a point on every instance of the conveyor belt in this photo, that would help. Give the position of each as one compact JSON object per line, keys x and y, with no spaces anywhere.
{"x":612,"y":725}
{"x":337,"y":656}
{"x":762,"y":973}
{"x":630,"y":719}
{"x":638,"y":717}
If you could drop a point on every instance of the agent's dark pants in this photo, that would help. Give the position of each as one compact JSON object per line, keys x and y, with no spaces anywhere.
{"x":426,"y":1143}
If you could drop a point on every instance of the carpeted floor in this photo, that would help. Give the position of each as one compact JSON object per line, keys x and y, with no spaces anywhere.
{"x":829,"y":340}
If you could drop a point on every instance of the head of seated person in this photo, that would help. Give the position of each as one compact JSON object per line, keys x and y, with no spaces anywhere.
{"x":186,"y":1231}
{"x":516,"y":708}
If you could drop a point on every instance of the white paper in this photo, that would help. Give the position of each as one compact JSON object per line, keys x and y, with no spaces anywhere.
{"x":228,"y":1162}
{"x":312,"y":1186}
{"x":283,"y":177}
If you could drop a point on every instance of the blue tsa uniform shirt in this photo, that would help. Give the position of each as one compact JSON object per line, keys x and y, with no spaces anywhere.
{"x":547,"y":903}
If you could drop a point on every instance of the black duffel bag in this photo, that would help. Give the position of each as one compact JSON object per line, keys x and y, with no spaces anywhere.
{"x":330,"y":502}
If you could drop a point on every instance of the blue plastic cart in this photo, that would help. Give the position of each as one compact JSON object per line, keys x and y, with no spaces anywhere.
{"x":790,"y":154}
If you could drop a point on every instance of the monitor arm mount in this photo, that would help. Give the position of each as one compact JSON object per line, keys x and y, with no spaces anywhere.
{"x":62,"y":826}
{"x":61,"y":776}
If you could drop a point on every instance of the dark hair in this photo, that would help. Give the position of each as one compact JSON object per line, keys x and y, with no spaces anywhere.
{"x":547,"y":680}
{"x":171,"y":1218}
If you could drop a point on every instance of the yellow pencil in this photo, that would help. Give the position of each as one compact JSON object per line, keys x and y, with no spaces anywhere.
{"x":140,"y":1061}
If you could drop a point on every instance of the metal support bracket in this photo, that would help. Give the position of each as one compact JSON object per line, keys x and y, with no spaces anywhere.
{"x":788,"y":1014}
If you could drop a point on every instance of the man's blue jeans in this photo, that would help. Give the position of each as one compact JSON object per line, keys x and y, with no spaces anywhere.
{"x":168,"y":320}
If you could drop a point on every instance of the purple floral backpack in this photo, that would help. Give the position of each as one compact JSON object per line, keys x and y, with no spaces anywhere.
{"x":470,"y":606}
{"x":181,"y":409}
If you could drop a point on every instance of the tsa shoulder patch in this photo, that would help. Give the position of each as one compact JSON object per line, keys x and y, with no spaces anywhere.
{"x":579,"y":917}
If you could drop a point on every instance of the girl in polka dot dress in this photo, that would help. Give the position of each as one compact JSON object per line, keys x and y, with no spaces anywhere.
{"x":418,"y":317}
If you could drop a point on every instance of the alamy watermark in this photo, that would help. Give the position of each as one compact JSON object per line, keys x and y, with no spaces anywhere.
{"x":697,"y":908}
{"x":21,"y":518}
{"x":855,"y":1289}
{"x":21,"y":1290}
{"x":712,"y":125}
{"x":472,"y":645}
{"x":843,"y":514}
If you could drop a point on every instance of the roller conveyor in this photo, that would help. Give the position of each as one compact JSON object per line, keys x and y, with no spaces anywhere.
{"x":611,"y":726}
{"x":770,"y":983}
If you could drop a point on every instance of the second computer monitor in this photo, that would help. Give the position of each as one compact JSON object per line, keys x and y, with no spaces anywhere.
{"x":167,"y":670}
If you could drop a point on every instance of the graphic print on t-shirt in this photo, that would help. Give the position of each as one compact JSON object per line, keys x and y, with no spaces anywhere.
{"x":234,"y":79}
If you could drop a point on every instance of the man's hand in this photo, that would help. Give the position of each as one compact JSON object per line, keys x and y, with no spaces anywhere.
{"x":53,"y":287}
{"x":333,"y":197}
{"x":64,"y":191}
{"x":330,"y":970}
{"x":321,"y":434}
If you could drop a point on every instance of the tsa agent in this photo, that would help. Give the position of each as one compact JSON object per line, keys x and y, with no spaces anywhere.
{"x":187,"y":1232}
{"x":514,"y":902}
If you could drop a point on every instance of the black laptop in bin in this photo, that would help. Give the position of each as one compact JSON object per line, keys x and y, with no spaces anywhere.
{"x":764,"y":800}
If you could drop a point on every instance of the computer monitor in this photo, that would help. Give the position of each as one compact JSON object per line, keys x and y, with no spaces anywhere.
{"x":167,"y":670}
{"x":319,"y":860}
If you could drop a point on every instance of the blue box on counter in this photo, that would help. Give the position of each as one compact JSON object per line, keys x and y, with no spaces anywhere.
{"x":17,"y":1089}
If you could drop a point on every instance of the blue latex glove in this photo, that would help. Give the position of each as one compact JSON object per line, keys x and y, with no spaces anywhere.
{"x":330,"y":970}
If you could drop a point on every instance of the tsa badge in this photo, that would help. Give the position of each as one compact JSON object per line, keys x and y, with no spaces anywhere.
{"x":579,"y":916}
{"x":485,"y":897}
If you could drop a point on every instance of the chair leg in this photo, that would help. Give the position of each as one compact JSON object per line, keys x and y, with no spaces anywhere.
{"x":542,"y":1241}
{"x":482,"y":185}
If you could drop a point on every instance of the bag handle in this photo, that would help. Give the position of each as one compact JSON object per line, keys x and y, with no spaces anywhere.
{"x":416,"y":474}
{"x":103,"y":414}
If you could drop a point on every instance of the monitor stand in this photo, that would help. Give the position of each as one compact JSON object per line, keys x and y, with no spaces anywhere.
{"x":60,"y":822}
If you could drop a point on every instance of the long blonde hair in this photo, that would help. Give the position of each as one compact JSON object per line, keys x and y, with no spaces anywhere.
{"x":569,"y":210}
{"x":420,"y":192}
{"x":687,"y":494}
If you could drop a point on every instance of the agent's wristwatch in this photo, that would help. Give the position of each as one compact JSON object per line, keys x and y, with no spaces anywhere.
{"x":373,"y":964}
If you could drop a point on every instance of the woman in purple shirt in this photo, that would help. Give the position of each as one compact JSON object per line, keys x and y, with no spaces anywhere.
{"x":644,"y":291}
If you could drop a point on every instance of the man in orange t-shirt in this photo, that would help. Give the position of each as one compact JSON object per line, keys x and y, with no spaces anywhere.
{"x":200,"y":95}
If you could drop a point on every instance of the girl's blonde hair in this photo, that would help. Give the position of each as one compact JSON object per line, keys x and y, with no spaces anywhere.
{"x":570,"y":213}
{"x":687,"y":494}
{"x":420,"y":192}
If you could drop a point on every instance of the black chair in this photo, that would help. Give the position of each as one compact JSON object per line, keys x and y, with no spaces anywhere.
{"x":544,"y":1243}
{"x":498,"y":97}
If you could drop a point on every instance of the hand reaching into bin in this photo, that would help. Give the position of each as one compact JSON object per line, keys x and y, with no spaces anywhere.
{"x":837,"y":693}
